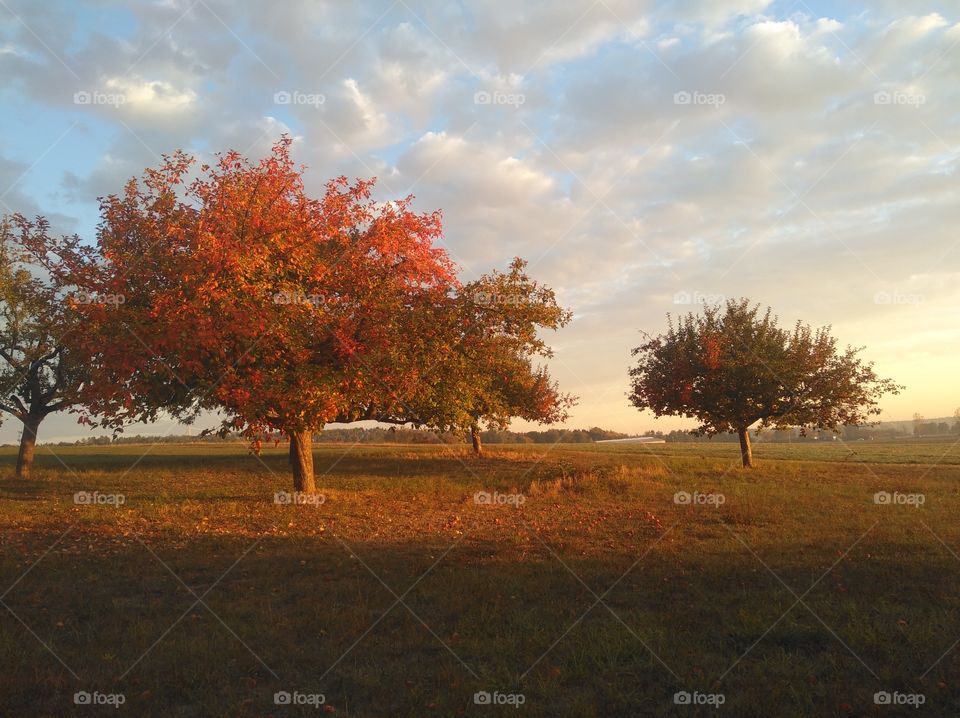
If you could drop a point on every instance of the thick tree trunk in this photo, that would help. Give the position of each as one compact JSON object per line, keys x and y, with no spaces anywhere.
{"x":28,"y":443}
{"x":475,"y":438}
{"x":746,"y":453}
{"x":301,"y":461}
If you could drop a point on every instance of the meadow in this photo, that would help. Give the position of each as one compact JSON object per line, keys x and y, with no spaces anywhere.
{"x":583,"y":580}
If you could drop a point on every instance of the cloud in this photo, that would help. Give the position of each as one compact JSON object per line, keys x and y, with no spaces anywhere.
{"x":156,"y":97}
{"x":712,"y":12}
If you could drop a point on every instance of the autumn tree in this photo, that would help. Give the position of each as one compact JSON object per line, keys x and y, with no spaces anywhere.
{"x":485,"y":367}
{"x":246,"y":296}
{"x":39,"y":375}
{"x":732,"y":367}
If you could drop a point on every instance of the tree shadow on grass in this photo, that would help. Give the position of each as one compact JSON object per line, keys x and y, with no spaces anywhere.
{"x":311,"y":615}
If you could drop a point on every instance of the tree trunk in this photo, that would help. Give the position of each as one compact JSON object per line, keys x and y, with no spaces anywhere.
{"x":301,"y":461}
{"x":28,"y":443}
{"x":475,"y":438}
{"x":746,"y":453}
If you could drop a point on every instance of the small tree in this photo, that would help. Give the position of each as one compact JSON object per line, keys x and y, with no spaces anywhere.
{"x":733,"y":367}
{"x":483,"y":368}
{"x":38,"y":373}
{"x":505,"y":313}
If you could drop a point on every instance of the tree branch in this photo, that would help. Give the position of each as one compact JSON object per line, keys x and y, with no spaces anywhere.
{"x":11,"y":410}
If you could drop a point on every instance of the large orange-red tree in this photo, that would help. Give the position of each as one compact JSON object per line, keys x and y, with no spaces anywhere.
{"x":244,"y":295}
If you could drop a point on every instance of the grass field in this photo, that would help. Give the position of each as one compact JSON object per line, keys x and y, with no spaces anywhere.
{"x":587,"y":591}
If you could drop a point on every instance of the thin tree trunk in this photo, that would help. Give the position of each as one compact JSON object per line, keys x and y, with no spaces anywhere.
{"x":301,"y":461}
{"x":746,"y":453}
{"x":475,"y":438}
{"x":28,"y":443}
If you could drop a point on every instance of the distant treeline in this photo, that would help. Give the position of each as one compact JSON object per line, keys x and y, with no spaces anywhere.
{"x":140,"y":439}
{"x":938,"y":428}
{"x":684,"y":436}
{"x":881,"y":432}
{"x":404,"y":435}
{"x":378,"y":435}
{"x":551,"y":436}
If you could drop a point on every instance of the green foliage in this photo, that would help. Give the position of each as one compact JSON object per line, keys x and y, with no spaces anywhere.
{"x":38,"y":375}
{"x":733,"y":366}
{"x":485,"y":371}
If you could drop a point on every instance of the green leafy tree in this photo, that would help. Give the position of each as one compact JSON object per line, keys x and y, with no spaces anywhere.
{"x":38,"y":373}
{"x":732,"y":367}
{"x":485,"y":368}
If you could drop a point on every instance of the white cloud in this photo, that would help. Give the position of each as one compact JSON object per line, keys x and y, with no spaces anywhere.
{"x":151,"y":97}
{"x":826,"y":24}
{"x":913,"y":27}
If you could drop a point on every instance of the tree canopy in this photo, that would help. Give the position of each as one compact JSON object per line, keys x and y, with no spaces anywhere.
{"x":486,"y":371}
{"x":732,"y":367}
{"x":39,"y":373}
{"x":238,"y":292}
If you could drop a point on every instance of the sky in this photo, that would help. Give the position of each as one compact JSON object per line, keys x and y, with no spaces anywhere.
{"x":644,"y":157}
